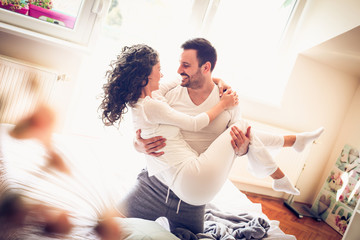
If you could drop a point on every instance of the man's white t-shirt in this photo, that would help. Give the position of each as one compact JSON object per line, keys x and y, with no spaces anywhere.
{"x":178,"y":98}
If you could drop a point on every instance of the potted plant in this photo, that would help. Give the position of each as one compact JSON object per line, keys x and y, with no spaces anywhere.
{"x":19,"y":6}
{"x":42,"y":9}
{"x":47,"y":4}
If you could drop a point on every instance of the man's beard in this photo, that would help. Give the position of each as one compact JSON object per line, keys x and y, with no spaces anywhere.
{"x":193,"y":81}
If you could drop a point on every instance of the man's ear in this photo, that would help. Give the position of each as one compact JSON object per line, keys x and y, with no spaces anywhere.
{"x":206,"y":67}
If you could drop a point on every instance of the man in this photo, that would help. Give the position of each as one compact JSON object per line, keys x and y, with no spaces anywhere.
{"x":197,"y":93}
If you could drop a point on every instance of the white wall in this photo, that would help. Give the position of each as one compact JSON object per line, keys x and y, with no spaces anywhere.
{"x":324,"y":19}
{"x":63,"y":59}
{"x":323,"y":95}
{"x":349,"y":132}
{"x":316,"y":95}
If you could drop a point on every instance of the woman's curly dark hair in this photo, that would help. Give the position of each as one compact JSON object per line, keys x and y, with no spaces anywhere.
{"x":125,"y":81}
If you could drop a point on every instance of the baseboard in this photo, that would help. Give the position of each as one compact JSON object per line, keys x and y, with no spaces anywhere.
{"x":261,"y":187}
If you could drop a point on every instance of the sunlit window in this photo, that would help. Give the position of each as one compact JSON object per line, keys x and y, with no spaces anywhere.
{"x":161,"y":24}
{"x":247,"y":35}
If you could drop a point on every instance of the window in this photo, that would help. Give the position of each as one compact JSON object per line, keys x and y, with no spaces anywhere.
{"x":248,"y":47}
{"x":69,"y":20}
{"x":162,"y":24}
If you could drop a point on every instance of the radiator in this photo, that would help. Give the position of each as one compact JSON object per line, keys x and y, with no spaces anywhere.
{"x":290,"y":162}
{"x":22,"y":87}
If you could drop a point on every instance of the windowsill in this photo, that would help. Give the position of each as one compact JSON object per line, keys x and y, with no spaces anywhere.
{"x":41,"y":38}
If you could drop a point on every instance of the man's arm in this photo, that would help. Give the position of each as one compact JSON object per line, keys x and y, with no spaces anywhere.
{"x":240,"y":141}
{"x":149,"y":146}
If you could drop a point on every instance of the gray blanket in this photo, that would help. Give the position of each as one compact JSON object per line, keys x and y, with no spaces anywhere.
{"x":226,"y":226}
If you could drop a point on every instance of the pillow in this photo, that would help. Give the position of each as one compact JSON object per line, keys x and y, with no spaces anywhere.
{"x":136,"y":229}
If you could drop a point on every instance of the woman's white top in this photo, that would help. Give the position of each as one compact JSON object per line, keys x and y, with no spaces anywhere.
{"x":157,"y":118}
{"x":194,"y":178}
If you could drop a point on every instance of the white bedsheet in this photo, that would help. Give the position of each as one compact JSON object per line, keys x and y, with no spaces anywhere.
{"x":230,"y":199}
{"x":102,"y":172}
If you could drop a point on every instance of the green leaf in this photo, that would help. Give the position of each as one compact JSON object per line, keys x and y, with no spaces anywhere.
{"x":287,"y":3}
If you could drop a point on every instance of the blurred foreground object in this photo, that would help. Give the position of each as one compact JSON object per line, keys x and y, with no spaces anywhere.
{"x":40,"y":125}
{"x":12,"y":210}
{"x":15,"y":212}
{"x":107,"y":227}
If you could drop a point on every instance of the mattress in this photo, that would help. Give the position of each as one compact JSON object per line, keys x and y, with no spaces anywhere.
{"x":102,"y":172}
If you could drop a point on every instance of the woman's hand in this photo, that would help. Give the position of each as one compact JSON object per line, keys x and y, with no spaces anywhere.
{"x":149,"y":146}
{"x":222,"y":85}
{"x":229,"y":99}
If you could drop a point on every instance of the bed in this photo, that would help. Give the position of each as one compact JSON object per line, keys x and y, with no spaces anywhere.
{"x":102,"y":171}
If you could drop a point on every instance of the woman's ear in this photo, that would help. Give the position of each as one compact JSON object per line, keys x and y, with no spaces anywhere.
{"x":145,"y":82}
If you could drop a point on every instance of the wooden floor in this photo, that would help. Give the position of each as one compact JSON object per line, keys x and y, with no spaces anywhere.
{"x":302,"y":228}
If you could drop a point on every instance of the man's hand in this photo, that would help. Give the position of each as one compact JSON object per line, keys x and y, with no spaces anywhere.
{"x":240,"y":141}
{"x":149,"y":146}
